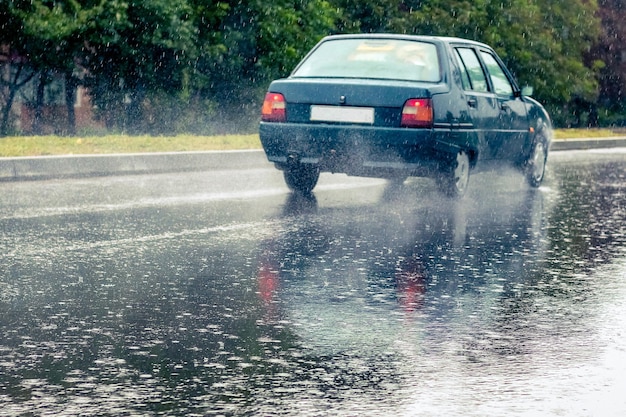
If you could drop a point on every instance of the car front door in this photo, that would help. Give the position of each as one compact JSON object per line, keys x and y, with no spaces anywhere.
{"x":512,"y":122}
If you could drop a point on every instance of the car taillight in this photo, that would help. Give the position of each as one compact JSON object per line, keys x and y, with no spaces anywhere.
{"x":273,"y":108}
{"x":417,"y":112}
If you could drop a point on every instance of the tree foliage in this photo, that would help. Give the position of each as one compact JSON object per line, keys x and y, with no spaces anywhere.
{"x":244,"y":44}
{"x":187,"y":65}
{"x":543,"y":42}
{"x":610,"y":49}
{"x":133,"y":52}
{"x":13,"y":68}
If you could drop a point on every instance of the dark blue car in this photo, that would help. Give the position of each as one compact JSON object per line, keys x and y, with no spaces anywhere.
{"x":394,"y":106}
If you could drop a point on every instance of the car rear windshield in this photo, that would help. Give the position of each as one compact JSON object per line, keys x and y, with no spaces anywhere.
{"x":392,"y":59}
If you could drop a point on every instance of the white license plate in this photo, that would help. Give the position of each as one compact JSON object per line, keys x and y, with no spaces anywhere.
{"x":342,"y":114}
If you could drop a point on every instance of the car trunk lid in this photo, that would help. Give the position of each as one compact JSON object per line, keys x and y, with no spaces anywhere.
{"x":361,"y":101}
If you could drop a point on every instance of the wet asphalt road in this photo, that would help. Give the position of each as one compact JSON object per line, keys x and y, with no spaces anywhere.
{"x":219,"y":293}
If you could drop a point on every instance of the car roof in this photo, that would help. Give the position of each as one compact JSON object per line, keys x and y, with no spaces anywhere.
{"x":434,"y":39}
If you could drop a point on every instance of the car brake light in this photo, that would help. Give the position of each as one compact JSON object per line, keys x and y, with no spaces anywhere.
{"x":417,"y":112}
{"x":273,"y":108}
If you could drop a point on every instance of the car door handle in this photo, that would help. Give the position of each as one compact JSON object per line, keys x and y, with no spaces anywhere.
{"x":505,"y":108}
{"x":472,"y":102}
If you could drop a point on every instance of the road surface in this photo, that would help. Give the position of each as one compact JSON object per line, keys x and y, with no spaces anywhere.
{"x":219,"y":293}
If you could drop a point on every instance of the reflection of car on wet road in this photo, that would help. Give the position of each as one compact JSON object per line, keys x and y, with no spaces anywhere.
{"x":394,"y":106}
{"x":336,"y":275}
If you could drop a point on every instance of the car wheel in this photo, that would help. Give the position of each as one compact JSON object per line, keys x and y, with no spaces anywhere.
{"x":454,"y":181}
{"x":301,"y":178}
{"x":535,"y":166}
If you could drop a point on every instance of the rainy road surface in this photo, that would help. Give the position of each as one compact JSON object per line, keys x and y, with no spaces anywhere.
{"x":218,"y":293}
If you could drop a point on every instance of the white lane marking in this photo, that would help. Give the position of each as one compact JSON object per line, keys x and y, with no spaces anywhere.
{"x":29,"y":213}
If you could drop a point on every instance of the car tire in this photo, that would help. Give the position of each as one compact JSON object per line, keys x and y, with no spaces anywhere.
{"x":301,"y":178}
{"x":454,"y":180}
{"x":535,"y":166}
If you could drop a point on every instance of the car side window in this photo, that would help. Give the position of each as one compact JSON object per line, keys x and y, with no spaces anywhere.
{"x":467,"y":84}
{"x":500,"y":81}
{"x":474,"y":74}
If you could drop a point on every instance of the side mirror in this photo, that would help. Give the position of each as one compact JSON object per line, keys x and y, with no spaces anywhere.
{"x":527,"y":90}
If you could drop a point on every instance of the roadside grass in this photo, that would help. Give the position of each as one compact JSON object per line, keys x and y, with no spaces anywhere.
{"x":586,"y":133}
{"x":16,"y":146}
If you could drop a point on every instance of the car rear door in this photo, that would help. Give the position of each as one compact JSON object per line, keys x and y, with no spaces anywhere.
{"x":512,"y":121}
{"x":481,"y":102}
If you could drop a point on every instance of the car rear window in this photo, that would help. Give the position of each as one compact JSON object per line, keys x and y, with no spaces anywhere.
{"x":392,"y":59}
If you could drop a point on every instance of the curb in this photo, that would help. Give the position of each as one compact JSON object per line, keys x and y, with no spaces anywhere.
{"x":588,"y":143}
{"x":74,"y":166}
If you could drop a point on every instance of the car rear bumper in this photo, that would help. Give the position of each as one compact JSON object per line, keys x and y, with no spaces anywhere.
{"x":359,"y":150}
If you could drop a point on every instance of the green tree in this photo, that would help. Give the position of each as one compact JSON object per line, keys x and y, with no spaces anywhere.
{"x":15,"y":70}
{"x":42,"y":38}
{"x":610,"y":49}
{"x":551,"y":55}
{"x":245,"y":44}
{"x":55,"y":29}
{"x":544,"y":43}
{"x":369,"y":16}
{"x":462,"y":18}
{"x":135,"y":51}
{"x":172,"y":65}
